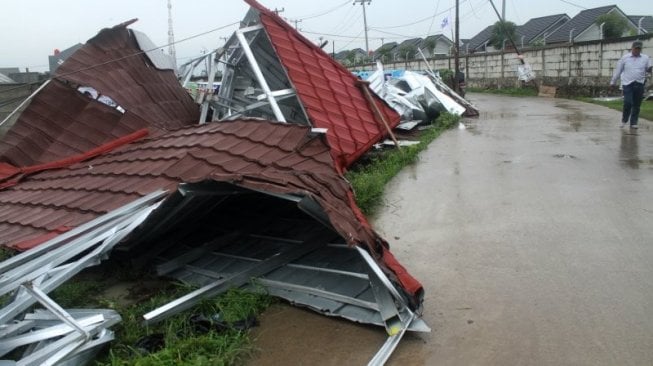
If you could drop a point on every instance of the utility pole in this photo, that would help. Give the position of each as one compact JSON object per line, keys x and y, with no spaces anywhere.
{"x":277,"y":11}
{"x":296,"y":21}
{"x":503,"y":11}
{"x":171,"y":36}
{"x":456,"y":48}
{"x":367,"y":45}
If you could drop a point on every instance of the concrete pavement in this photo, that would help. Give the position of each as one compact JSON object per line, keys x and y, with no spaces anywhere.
{"x":531,"y":231}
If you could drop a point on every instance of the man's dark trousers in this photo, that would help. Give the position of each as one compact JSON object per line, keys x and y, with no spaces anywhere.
{"x":633,"y":95}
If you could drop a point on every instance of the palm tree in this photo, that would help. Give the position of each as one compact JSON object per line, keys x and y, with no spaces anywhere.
{"x":502,"y":31}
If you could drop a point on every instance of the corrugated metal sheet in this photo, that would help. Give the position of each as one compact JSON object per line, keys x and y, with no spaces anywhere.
{"x":327,"y":90}
{"x":264,"y":156}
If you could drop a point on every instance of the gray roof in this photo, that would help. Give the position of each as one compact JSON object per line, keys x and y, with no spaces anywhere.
{"x":58,"y":59}
{"x":386,"y":46}
{"x":479,"y":40}
{"x":537,"y":27}
{"x":4,"y":79}
{"x":9,"y":70}
{"x":437,"y":37}
{"x":411,"y":42}
{"x":647,"y":22}
{"x":579,"y":23}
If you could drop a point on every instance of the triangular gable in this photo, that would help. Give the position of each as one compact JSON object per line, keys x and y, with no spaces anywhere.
{"x":329,"y":95}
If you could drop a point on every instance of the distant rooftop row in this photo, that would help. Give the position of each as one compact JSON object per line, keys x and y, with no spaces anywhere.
{"x":551,"y":29}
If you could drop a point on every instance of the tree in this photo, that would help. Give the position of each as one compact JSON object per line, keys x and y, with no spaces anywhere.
{"x":502,"y":31}
{"x":350,"y":59}
{"x":408,"y":51}
{"x":614,"y":26}
{"x":429,"y":45}
{"x":383,"y":54}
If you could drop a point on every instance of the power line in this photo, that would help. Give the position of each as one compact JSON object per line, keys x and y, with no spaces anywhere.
{"x":128,"y":56}
{"x":347,"y":21}
{"x":325,"y":12}
{"x":433,"y":18}
{"x":576,"y":5}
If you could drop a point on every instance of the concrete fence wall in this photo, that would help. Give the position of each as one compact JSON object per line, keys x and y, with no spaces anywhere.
{"x":584,"y":66}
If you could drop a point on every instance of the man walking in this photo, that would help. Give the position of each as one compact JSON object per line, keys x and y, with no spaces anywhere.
{"x":632,"y":69}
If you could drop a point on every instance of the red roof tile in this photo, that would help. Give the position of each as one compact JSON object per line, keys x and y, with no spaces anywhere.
{"x":225,"y":151}
{"x":328,"y":91}
{"x":60,"y":121}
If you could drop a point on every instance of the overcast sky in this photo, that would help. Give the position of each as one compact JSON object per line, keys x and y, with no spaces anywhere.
{"x":31,"y":29}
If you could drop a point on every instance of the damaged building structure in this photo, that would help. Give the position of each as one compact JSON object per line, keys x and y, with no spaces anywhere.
{"x":257,"y":192}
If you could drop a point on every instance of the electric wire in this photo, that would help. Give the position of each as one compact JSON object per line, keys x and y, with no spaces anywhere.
{"x":433,"y":18}
{"x":352,"y":17}
{"x":576,"y":5}
{"x":128,"y":56}
{"x":323,"y":13}
{"x":348,"y":43}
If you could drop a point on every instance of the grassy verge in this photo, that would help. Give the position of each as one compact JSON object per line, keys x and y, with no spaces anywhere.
{"x":369,"y":177}
{"x":646,"y":110}
{"x":527,"y":91}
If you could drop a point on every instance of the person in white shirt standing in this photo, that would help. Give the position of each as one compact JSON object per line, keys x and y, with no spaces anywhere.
{"x":632,"y":69}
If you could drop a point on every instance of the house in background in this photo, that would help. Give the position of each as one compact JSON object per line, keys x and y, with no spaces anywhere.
{"x":60,"y":56}
{"x":535,"y":30}
{"x":479,"y":43}
{"x":407,"y":50}
{"x":644,"y":23}
{"x":560,"y":28}
{"x":583,"y":26}
{"x":386,"y":52}
{"x":437,"y":44}
{"x":4,"y":79}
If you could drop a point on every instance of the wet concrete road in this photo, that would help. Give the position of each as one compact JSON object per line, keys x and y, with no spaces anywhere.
{"x":532,"y":233}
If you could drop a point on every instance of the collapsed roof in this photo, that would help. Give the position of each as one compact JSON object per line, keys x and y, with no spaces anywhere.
{"x":243,"y":198}
{"x":61,"y":121}
{"x":275,"y":73}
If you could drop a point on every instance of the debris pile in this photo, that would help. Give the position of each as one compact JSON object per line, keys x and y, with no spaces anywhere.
{"x":246,"y":183}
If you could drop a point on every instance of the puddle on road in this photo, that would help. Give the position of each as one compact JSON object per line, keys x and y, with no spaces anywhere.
{"x":564,"y":156}
{"x":294,"y":336}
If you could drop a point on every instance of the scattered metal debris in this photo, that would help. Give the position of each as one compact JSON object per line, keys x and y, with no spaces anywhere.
{"x":55,"y":335}
{"x":251,"y":203}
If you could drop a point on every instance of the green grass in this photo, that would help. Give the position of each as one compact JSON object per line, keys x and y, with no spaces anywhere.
{"x":527,"y":91}
{"x":646,"y":110}
{"x":6,"y":253}
{"x":369,"y":177}
{"x":183,"y":342}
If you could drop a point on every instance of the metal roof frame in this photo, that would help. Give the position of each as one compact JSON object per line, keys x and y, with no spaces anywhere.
{"x":29,"y":276}
{"x":293,"y":268}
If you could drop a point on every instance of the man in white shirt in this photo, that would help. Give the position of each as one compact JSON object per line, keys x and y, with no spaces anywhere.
{"x":632,"y":69}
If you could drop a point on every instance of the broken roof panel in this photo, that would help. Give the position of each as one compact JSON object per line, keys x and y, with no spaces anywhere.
{"x":253,"y":173}
{"x":301,"y":165}
{"x":61,"y":121}
{"x":329,"y":95}
{"x":113,"y":63}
